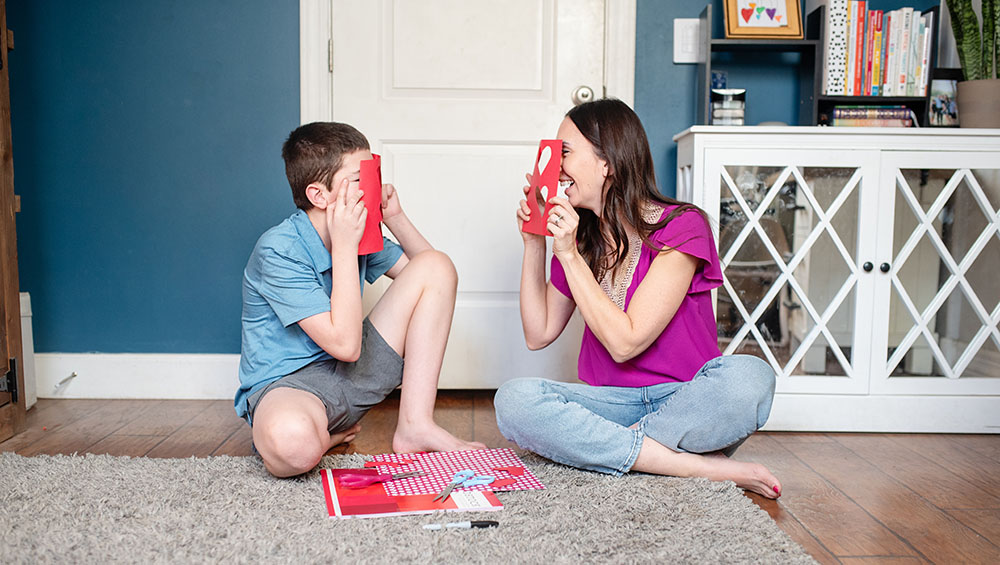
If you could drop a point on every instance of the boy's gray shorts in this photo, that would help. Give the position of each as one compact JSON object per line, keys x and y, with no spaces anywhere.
{"x":347,"y":390}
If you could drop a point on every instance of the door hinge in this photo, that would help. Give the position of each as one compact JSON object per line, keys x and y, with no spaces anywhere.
{"x":9,"y":381}
{"x":329,"y":54}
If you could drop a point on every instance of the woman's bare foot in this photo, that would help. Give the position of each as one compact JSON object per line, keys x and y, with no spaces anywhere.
{"x":656,"y":458}
{"x":750,"y":476}
{"x":430,"y":437}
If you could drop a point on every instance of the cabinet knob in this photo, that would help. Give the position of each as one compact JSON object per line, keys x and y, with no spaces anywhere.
{"x":884,"y":267}
{"x":868,"y":266}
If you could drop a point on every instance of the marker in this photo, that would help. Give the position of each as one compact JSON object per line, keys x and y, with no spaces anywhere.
{"x":464,"y":525}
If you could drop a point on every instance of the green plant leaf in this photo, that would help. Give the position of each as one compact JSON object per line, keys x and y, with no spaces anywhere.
{"x":989,"y":37}
{"x":965,"y":25}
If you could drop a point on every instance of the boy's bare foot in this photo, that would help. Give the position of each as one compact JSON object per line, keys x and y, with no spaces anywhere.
{"x":345,"y":436}
{"x":750,"y":476}
{"x":432,"y":437}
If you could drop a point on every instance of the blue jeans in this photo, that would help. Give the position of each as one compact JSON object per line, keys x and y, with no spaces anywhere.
{"x":589,"y":426}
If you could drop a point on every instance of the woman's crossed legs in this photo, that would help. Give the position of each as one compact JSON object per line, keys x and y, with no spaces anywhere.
{"x":677,"y":429}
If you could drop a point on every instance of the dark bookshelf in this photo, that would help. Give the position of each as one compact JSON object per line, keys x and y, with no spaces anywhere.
{"x":811,"y":49}
{"x":814,"y":106}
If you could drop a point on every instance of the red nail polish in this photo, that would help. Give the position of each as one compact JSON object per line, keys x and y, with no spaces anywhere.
{"x":776,"y":489}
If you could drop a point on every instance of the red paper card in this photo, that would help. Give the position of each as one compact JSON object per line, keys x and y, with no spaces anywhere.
{"x":373,"y":500}
{"x":371,"y":186}
{"x":440,"y":466}
{"x":544,"y":184}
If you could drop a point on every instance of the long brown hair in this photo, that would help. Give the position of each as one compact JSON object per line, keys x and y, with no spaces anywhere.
{"x":619,"y":138}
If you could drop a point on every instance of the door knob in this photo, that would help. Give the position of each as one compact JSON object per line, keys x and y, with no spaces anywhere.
{"x":884,"y":267}
{"x":582,"y":94}
{"x":868,"y":266}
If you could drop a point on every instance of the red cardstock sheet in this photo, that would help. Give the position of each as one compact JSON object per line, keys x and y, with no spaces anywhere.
{"x":374,"y":500}
{"x":371,"y":186}
{"x":544,"y":184}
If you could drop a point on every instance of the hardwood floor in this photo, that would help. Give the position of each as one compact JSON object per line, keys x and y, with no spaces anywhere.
{"x":847,"y":498}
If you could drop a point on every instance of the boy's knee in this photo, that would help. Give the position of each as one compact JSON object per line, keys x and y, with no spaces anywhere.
{"x":439,"y":265}
{"x":292,"y":443}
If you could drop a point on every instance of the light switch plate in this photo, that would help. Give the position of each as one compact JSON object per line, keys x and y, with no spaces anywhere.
{"x":686,"y":40}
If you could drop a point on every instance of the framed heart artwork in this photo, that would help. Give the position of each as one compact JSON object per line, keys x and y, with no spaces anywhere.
{"x":763,"y":19}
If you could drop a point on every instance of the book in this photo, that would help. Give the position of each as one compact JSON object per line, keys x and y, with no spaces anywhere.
{"x":903,"y":51}
{"x":885,"y":53}
{"x":891,"y":112}
{"x":916,"y":49}
{"x":866,"y":88}
{"x":852,"y":16}
{"x":834,"y":45}
{"x":889,"y":80}
{"x":373,"y":501}
{"x":871,"y":122}
{"x":876,"y":74}
{"x":859,"y":48}
{"x":925,"y":54}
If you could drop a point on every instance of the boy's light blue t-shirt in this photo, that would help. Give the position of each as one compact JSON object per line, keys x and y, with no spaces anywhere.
{"x":288,"y":279}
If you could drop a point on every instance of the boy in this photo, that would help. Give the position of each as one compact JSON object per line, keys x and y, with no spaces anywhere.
{"x":310,"y":366}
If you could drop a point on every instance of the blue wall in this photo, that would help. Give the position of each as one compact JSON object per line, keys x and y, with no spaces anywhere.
{"x":665,"y":92}
{"x":147,"y":143}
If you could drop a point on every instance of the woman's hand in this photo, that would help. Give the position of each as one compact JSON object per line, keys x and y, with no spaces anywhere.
{"x":524,"y":214}
{"x":345,"y":217}
{"x":563,"y":221}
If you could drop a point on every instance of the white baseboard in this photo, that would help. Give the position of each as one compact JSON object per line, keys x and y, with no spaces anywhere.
{"x":137,"y":375}
{"x":215,"y":376}
{"x":883,"y":413}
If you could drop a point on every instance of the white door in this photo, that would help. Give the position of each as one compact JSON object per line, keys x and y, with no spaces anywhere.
{"x":455,"y":95}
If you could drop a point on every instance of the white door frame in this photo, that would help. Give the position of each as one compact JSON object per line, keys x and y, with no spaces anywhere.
{"x":316,"y":56}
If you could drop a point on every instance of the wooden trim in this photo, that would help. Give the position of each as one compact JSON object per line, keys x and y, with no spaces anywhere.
{"x":619,"y":51}
{"x":12,"y":418}
{"x":315,"y":78}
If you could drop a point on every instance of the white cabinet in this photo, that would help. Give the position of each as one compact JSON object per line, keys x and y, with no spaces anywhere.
{"x":863,"y":264}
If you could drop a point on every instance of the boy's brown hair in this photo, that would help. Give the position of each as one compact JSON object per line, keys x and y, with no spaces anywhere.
{"x":314,"y":152}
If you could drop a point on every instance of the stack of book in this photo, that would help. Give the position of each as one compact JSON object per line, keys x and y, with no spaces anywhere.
{"x":872,"y":116}
{"x":876,"y":53}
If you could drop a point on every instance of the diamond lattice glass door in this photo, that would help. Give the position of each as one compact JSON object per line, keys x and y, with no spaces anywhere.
{"x":943,"y":279}
{"x":789,"y":232}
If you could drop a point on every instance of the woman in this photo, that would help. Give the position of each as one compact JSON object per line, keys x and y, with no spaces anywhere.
{"x":659,"y":396}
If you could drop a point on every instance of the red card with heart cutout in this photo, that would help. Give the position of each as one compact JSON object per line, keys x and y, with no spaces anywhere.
{"x":371,"y":187}
{"x":544,"y":184}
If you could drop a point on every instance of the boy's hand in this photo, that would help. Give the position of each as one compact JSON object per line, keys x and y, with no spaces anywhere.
{"x":524,"y":214}
{"x":390,"y":202}
{"x":345,"y":217}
